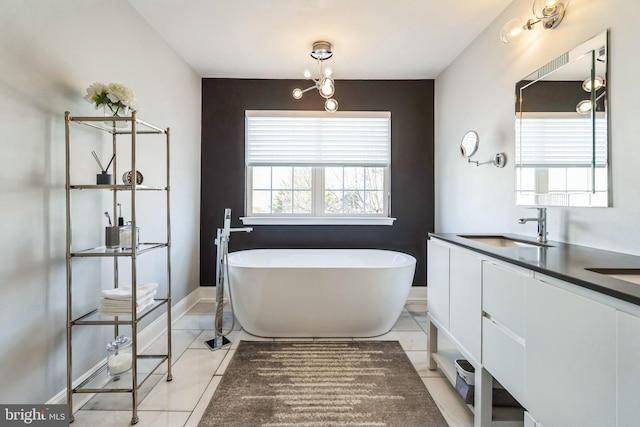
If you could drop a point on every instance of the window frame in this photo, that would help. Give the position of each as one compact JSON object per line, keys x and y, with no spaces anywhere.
{"x":318,"y":215}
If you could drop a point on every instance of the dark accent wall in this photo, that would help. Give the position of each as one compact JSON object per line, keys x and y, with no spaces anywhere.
{"x":410,"y":102}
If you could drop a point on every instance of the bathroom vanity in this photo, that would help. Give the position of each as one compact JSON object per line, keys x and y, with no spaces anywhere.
{"x":557,"y":325}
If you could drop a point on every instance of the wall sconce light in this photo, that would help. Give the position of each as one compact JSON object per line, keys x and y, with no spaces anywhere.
{"x":325,"y":84}
{"x":549,"y":12}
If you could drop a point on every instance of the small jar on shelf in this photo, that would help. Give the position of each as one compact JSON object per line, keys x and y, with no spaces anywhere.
{"x":119,"y":356}
{"x":126,"y":236}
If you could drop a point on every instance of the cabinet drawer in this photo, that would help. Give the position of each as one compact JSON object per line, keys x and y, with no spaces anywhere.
{"x":503,"y":293}
{"x":503,"y":357}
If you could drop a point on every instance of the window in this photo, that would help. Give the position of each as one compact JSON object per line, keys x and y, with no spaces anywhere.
{"x":317,"y":168}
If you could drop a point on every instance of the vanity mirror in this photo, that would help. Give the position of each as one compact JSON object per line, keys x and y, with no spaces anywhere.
{"x":469,"y":147}
{"x":469,"y":144}
{"x":561,"y":150}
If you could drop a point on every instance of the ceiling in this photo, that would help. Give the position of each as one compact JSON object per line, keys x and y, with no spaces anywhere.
{"x":271,"y":39}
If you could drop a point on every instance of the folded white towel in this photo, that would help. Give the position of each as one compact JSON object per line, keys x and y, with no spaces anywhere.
{"x":117,"y":294}
{"x":122,"y":312}
{"x":114,"y":307}
{"x":106,"y":302}
{"x":125,"y":292}
{"x":142,"y":307}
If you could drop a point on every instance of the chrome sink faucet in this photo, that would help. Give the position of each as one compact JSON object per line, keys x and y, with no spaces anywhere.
{"x":541,"y":219}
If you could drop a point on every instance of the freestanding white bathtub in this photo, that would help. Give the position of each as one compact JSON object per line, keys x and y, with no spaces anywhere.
{"x":319,"y":292}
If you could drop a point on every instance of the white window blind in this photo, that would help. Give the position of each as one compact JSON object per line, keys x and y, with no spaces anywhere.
{"x":318,"y":139}
{"x":560,"y":141}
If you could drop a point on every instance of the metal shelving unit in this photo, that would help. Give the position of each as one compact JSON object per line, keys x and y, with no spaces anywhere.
{"x":142,"y":365}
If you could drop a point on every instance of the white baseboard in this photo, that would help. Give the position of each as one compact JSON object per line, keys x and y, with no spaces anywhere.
{"x":417,"y":295}
{"x":208,"y":293}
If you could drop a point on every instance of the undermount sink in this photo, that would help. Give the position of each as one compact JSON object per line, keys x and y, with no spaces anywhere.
{"x":627,"y":274}
{"x":504,"y":242}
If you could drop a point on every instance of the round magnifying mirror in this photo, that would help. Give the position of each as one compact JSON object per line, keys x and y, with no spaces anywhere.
{"x":469,"y":144}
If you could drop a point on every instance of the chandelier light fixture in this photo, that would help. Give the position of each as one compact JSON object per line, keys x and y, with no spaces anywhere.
{"x":325,"y":84}
{"x":549,"y":12}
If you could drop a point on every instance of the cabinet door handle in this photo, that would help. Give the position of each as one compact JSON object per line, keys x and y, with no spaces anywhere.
{"x":504,"y":329}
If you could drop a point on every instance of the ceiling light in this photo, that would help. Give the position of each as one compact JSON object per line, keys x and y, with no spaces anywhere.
{"x":327,"y":88}
{"x":331,"y":105}
{"x":321,"y":50}
{"x":325,"y":84}
{"x":297,"y":93}
{"x":549,"y":12}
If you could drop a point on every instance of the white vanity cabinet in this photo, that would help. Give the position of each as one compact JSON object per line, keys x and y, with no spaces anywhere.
{"x":628,"y":370}
{"x":454,"y":303}
{"x":465,"y":293}
{"x":438,"y":280}
{"x":570,"y":357}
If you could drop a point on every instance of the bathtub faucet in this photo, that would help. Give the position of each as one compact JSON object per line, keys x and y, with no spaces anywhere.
{"x":222,"y":271}
{"x":224,"y":233}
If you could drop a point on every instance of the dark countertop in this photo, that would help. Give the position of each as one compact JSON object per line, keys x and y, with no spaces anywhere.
{"x":560,"y":260}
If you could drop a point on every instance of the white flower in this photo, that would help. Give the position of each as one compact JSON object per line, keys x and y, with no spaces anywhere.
{"x":120,"y":93}
{"x":114,"y":95}
{"x":95,"y":91}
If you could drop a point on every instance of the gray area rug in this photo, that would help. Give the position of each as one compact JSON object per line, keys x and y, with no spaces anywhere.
{"x":321,"y":383}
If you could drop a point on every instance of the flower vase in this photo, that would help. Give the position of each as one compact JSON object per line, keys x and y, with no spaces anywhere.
{"x":114,"y":110}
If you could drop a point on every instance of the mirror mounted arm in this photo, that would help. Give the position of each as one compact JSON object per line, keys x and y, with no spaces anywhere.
{"x":499,"y":161}
{"x":469,"y":146}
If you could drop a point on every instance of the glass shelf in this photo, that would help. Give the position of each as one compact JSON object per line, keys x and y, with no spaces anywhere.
{"x":101,"y":382}
{"x":97,"y":318}
{"x":103,"y":251}
{"x":121,"y":187}
{"x":117,"y":125}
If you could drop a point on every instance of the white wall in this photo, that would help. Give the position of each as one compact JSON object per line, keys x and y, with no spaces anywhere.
{"x":477,"y":92}
{"x":50,"y":51}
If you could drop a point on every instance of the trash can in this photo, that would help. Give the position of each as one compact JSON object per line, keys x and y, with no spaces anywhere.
{"x":465,"y":382}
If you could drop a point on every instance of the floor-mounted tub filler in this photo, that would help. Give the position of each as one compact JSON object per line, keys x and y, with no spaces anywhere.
{"x":319,"y":292}
{"x":222,"y":271}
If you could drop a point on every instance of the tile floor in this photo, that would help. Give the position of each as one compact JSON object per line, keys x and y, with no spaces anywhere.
{"x":197,"y":371}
